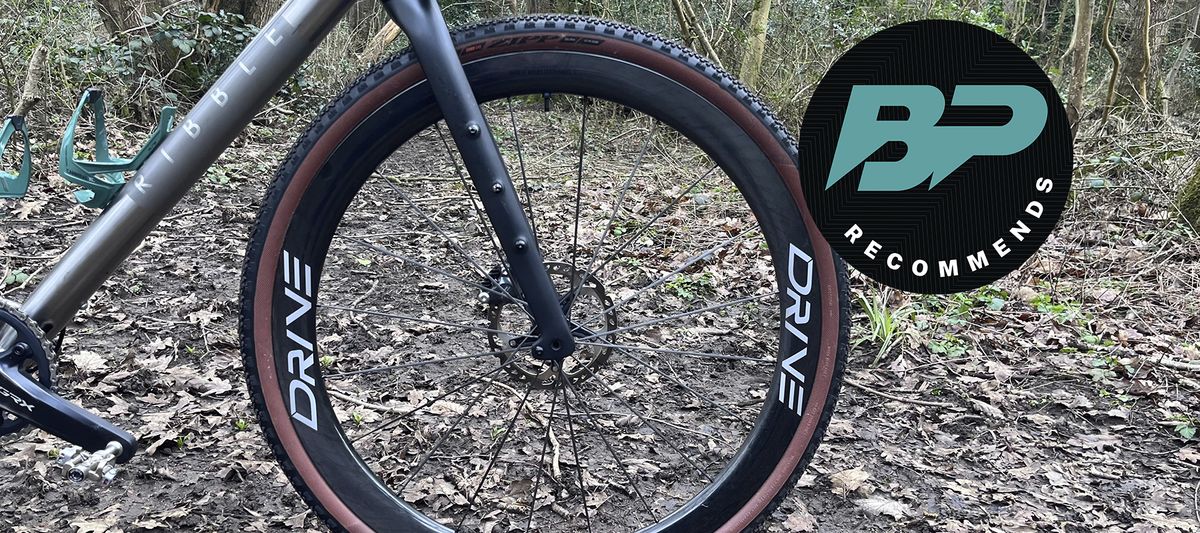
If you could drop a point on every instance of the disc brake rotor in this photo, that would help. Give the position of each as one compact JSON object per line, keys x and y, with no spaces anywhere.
{"x":590,"y":301}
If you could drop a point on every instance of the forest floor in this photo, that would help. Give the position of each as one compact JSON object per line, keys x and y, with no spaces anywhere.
{"x":1064,"y":398}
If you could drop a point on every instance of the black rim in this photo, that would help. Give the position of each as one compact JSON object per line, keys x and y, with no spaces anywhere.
{"x":337,"y":185}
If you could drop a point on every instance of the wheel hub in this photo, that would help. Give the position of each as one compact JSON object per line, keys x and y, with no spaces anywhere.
{"x":585,"y":300}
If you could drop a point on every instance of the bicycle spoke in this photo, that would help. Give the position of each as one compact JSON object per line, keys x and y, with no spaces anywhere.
{"x":645,"y":227}
{"x":670,"y":441}
{"x":458,"y":171}
{"x":685,"y":353}
{"x":512,"y":116}
{"x":396,"y":420}
{"x":432,"y":268}
{"x":537,"y":481}
{"x":579,"y":185}
{"x":376,"y":370}
{"x":421,"y":320}
{"x":613,"y":217}
{"x":454,"y":243}
{"x":668,"y":276}
{"x":575,"y":451}
{"x":676,"y":380}
{"x":503,"y":439}
{"x":412,"y":474}
{"x":678,"y":316}
{"x":599,"y":432}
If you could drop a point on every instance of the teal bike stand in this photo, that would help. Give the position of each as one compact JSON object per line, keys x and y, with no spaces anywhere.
{"x":15,"y":185}
{"x":103,"y":177}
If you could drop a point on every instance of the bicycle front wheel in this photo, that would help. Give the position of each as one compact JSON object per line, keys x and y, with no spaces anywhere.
{"x":386,"y":347}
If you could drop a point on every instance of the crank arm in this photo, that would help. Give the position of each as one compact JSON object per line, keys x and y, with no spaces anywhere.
{"x":30,"y":400}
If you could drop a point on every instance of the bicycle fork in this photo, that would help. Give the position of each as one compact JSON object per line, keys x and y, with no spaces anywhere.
{"x":426,"y":29}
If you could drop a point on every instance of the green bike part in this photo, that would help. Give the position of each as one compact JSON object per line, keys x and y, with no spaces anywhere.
{"x":15,"y":185}
{"x":103,"y":177}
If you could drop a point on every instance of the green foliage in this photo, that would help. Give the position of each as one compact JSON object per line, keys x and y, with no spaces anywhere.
{"x":955,"y":309}
{"x":1186,"y":431}
{"x":1108,"y":367}
{"x":692,"y":287}
{"x":1185,"y":426}
{"x":1063,"y":312}
{"x":886,"y":325}
{"x":949,"y":346}
{"x":15,"y":277}
{"x":175,"y":58}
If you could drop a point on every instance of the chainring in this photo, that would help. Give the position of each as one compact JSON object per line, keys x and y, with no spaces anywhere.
{"x":37,"y":364}
{"x":580,"y":365}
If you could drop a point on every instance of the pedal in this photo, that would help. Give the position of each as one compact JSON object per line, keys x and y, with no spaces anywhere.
{"x":79,"y":465}
{"x":25,"y":396}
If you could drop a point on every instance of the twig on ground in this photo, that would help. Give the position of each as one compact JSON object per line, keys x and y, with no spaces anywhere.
{"x":1179,"y":365}
{"x":555,"y":465}
{"x":865,"y":388}
{"x":373,"y":406}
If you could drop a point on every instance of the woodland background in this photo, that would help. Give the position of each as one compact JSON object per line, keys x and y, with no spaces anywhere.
{"x":1065,"y":397}
{"x":1121,"y":65}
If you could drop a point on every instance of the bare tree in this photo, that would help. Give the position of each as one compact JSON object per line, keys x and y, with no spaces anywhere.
{"x":1185,"y":52}
{"x":691,"y":29}
{"x":1150,"y":18}
{"x":256,"y":12}
{"x":31,"y":94}
{"x":756,"y":42}
{"x":1106,"y":26}
{"x":1081,"y":44}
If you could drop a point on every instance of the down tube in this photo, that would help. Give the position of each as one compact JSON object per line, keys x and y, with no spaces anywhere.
{"x":230,"y":104}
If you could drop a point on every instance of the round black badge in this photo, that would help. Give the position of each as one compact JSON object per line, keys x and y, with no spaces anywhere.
{"x":935,"y":156}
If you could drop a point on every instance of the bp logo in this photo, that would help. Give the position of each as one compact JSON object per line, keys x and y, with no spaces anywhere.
{"x":935,"y":156}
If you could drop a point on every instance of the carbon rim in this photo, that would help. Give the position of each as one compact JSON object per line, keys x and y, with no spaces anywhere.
{"x":774,"y":423}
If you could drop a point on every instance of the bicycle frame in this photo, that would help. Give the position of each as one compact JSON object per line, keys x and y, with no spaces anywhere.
{"x":228,"y":107}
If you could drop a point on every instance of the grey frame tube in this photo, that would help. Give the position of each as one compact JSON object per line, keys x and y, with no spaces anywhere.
{"x":226,"y":109}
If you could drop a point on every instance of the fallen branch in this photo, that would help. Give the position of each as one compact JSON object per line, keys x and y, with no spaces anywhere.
{"x":1179,"y":365}
{"x":368,"y":405}
{"x":379,"y":43}
{"x":882,"y":394}
{"x":30,"y":95}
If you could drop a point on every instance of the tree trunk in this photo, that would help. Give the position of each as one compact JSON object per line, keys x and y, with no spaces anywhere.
{"x":1081,"y":44}
{"x":1138,"y":69}
{"x":379,"y":43}
{"x":1185,"y":52}
{"x":124,"y":20}
{"x":31,"y":95}
{"x":1139,"y":64}
{"x":365,"y":19}
{"x":690,"y":29}
{"x":256,"y":12}
{"x":1058,"y":28}
{"x":1111,"y":93}
{"x":115,"y":14}
{"x":756,"y":41}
